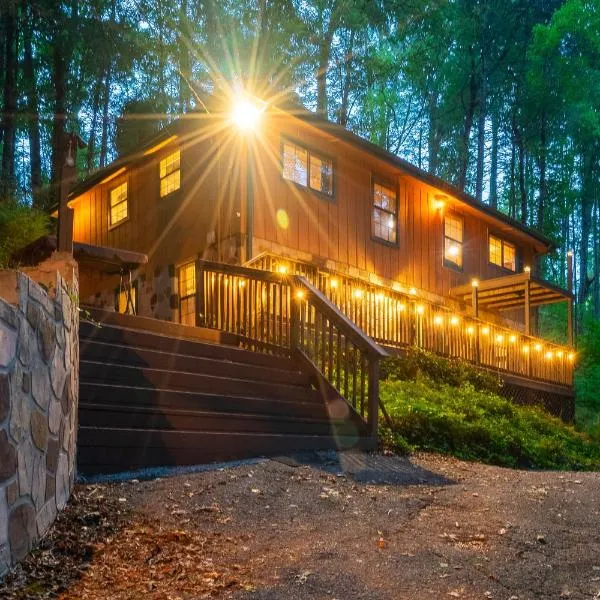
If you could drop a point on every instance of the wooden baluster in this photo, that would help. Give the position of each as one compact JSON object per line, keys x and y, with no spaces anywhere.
{"x":330,"y":351}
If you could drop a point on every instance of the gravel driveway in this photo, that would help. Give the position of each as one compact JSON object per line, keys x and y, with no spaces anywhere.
{"x":326,"y":527}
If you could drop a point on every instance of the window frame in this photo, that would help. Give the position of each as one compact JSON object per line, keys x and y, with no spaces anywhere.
{"x":188,"y":296}
{"x":503,"y":242}
{"x":110,"y":189}
{"x":390,"y":184}
{"x":309,"y":153}
{"x":162,"y":157}
{"x":448,"y":263}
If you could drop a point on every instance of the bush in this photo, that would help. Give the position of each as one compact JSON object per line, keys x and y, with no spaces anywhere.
{"x":479,"y":425}
{"x":19,"y":225}
{"x":416,"y":363}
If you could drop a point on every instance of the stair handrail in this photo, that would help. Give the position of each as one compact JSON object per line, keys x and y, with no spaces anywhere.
{"x":314,"y":326}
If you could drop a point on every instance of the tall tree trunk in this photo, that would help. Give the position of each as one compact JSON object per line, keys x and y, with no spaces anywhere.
{"x":587,"y":204}
{"x":91,"y":145}
{"x":33,"y":117}
{"x":105,"y":106}
{"x":9,"y":115}
{"x":481,"y":132}
{"x":465,"y":138}
{"x":59,"y":74}
{"x":541,"y":200}
{"x":494,"y":162}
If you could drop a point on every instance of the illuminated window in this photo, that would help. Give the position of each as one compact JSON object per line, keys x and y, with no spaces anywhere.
{"x":126,"y":300}
{"x":307,"y":168}
{"x":170,"y":173}
{"x":385,"y":213}
{"x":118,"y":204}
{"x":502,"y":254}
{"x":453,"y":240}
{"x":187,"y":294}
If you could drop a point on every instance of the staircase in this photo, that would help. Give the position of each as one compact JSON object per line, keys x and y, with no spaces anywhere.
{"x":161,"y":394}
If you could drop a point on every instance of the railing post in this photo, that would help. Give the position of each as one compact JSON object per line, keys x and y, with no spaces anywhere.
{"x":373,"y":397}
{"x":294,"y":319}
{"x":200,"y":307}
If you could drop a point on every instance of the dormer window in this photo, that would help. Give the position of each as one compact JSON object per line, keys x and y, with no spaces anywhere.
{"x":502,"y":253}
{"x":170,"y":173}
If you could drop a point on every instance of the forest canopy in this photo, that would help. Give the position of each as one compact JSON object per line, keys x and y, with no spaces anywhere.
{"x":500,"y":98}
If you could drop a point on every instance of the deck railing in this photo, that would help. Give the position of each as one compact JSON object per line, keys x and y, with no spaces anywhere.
{"x":399,"y":319}
{"x":288,"y":314}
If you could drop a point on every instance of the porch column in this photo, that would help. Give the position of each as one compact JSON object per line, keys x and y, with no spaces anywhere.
{"x":527,"y":308}
{"x":475,"y":298}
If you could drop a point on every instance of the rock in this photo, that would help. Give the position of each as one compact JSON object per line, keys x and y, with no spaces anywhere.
{"x":27,"y":343}
{"x":40,"y":385}
{"x":8,"y":458}
{"x":3,"y":519}
{"x":39,"y":429}
{"x":47,"y":338}
{"x":62,"y":481}
{"x":12,"y":492}
{"x":50,"y":487}
{"x":45,"y":517}
{"x":40,"y":295}
{"x":34,"y":315}
{"x":38,"y":483}
{"x":22,"y":530}
{"x":8,"y":314}
{"x":25,"y":460}
{"x":4,"y":396}
{"x":52,"y":454}
{"x":66,"y":399}
{"x":54,"y":417}
{"x":26,"y":383}
{"x":8,"y":344}
{"x":59,"y":374}
{"x":19,"y":415}
{"x":4,"y":560}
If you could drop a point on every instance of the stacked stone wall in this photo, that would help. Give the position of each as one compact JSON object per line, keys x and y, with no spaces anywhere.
{"x":39,"y":387}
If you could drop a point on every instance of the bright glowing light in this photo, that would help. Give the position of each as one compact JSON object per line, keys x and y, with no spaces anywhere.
{"x":527,"y":269}
{"x":391,"y":223}
{"x":549,"y":355}
{"x":401,"y":307}
{"x":242,"y":283}
{"x":453,"y":250}
{"x":412,"y":291}
{"x":512,"y":339}
{"x":571,"y":356}
{"x":438,"y":320}
{"x":499,"y":339}
{"x":485,"y":331}
{"x":282,"y":218}
{"x":475,"y":282}
{"x":470,"y":330}
{"x":454,"y":320}
{"x":333,"y":283}
{"x":358,"y":293}
{"x":538,"y":347}
{"x":245,"y":115}
{"x":300,"y":294}
{"x":282,"y":269}
{"x":525,"y":349}
{"x":420,"y":309}
{"x":379,"y":297}
{"x":559,"y":354}
{"x":439,"y":203}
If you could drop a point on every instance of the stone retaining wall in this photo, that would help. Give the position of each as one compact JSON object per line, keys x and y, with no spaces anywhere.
{"x":39,"y":387}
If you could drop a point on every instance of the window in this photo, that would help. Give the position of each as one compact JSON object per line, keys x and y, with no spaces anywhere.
{"x":502,"y":253}
{"x":118,"y":204}
{"x":170,"y":173}
{"x":385,"y":213}
{"x":453,"y":240}
{"x":187,"y":294}
{"x":307,"y":168}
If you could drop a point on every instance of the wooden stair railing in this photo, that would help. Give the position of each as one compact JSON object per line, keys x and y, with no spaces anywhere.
{"x":286,"y":314}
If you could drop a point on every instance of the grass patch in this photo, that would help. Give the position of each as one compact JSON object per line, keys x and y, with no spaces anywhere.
{"x":456,"y":418}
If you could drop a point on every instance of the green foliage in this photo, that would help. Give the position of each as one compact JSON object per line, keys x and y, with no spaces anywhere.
{"x":479,"y":425}
{"x":587,"y":379}
{"x":417,"y":363}
{"x":19,"y":226}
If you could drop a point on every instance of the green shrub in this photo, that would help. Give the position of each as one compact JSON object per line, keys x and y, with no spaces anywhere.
{"x":19,"y":225}
{"x":415,"y":363}
{"x":479,"y":425}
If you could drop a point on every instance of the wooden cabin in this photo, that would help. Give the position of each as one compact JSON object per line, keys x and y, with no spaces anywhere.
{"x":408,"y":257}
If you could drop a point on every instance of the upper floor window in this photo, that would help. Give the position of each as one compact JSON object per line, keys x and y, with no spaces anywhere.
{"x":307,"y":168}
{"x":170,"y":173}
{"x":502,"y":253}
{"x":118,"y":204}
{"x":453,"y":240}
{"x":385,"y":213}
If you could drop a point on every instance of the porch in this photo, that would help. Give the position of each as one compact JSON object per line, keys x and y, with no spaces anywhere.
{"x":239,"y":301}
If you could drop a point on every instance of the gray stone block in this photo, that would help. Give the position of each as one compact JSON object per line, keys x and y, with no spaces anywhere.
{"x":3,"y":518}
{"x":45,"y":517}
{"x":59,"y":373}
{"x":39,"y":429}
{"x":4,"y":397}
{"x":40,"y":295}
{"x":8,"y":343}
{"x":8,"y":314}
{"x":8,"y":458}
{"x":62,"y":481}
{"x":41,"y":386}
{"x":54,"y":417}
{"x":5,"y":562}
{"x":22,"y":530}
{"x":28,"y":344}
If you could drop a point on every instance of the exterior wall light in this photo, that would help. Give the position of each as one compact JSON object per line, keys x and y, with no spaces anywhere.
{"x":527,"y":269}
{"x":245,"y":115}
{"x":512,"y":339}
{"x":300,"y":294}
{"x":333,"y":283}
{"x":485,"y":331}
{"x":475,"y":283}
{"x":538,"y":347}
{"x":470,"y":330}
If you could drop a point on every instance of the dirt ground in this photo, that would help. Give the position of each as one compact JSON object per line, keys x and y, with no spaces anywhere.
{"x":329,"y":527}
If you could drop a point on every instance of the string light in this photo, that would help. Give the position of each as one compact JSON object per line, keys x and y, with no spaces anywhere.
{"x":454,"y":320}
{"x":538,"y":347}
{"x":525,"y":349}
{"x":470,"y":330}
{"x":438,"y":320}
{"x":282,"y":269}
{"x":500,"y":339}
{"x":571,"y":356}
{"x":512,"y":339}
{"x":358,"y":293}
{"x":475,"y":283}
{"x":420,"y":309}
{"x":412,"y":291}
{"x":333,"y":283}
{"x":559,"y":354}
{"x":485,"y":331}
{"x":401,"y":307}
{"x":379,"y":297}
{"x":242,"y":283}
{"x":549,"y":355}
{"x":300,"y":294}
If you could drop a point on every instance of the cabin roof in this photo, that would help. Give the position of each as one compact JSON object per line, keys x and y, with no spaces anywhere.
{"x":179,"y":125}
